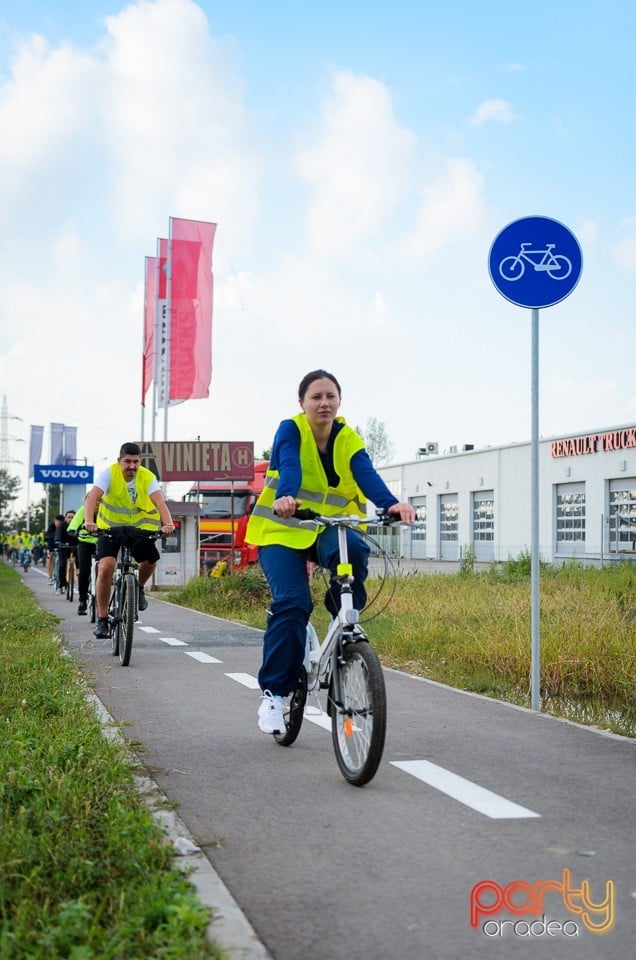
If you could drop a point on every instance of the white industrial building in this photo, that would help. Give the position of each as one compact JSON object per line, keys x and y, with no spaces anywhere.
{"x":482,"y":499}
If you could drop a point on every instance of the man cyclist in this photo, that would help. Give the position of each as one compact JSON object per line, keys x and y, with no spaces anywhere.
{"x":65,"y":545}
{"x":125,"y":493}
{"x":86,"y":547}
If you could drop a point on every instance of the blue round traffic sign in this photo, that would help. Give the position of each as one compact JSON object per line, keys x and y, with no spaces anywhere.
{"x":535,"y":262}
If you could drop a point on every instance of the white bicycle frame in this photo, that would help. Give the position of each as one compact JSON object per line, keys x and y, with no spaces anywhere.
{"x":317,"y":654}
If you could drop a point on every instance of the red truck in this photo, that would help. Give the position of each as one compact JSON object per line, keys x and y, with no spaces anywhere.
{"x":226,"y":507}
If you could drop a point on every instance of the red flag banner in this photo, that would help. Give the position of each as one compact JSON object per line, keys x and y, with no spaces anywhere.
{"x":150,"y":296}
{"x":190,"y":288}
{"x":161,"y":335}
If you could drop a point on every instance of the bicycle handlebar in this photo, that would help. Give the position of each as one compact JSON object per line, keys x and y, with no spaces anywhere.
{"x":383,"y":518}
{"x":126,"y":534}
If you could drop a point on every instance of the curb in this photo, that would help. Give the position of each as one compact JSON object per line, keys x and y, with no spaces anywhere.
{"x":230,"y":927}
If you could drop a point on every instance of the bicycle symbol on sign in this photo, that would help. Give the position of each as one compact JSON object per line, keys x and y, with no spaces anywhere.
{"x":556,"y":266}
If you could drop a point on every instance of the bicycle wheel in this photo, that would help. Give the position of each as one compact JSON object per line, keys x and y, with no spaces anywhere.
{"x":92,"y":599}
{"x":70,"y":582}
{"x":293,"y":712}
{"x":358,"y":727}
{"x":114,"y":617}
{"x":127,"y":622}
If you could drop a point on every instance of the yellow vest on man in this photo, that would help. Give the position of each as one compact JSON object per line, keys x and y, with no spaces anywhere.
{"x":265,"y":528}
{"x":116,"y":506}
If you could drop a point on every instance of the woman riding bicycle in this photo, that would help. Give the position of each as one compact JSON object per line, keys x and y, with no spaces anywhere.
{"x":317,"y":461}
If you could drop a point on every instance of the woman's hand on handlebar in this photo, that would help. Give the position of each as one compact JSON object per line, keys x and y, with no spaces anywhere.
{"x":167,"y":527}
{"x":285,"y":507}
{"x":405,"y":511}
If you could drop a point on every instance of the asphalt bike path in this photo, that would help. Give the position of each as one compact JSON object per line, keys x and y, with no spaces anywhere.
{"x":469,"y":790}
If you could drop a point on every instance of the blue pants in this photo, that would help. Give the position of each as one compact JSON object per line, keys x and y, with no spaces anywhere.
{"x":286,"y":572}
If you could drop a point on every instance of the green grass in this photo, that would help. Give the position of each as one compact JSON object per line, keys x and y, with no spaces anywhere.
{"x":473,"y":631}
{"x":85,"y":871}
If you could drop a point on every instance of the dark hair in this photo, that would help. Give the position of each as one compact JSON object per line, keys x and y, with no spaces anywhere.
{"x":309,"y":378}
{"x":130,"y":450}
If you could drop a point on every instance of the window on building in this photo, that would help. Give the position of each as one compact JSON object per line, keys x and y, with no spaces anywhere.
{"x":419,"y":529}
{"x":570,"y":514}
{"x":622,"y":517}
{"x":484,"y":516}
{"x":449,"y":518}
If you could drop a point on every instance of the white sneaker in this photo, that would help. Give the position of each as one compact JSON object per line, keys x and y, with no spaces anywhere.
{"x":270,"y":714}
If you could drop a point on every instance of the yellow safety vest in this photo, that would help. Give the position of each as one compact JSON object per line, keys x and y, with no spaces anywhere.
{"x":265,"y":528}
{"x":77,"y":523}
{"x":116,"y":507}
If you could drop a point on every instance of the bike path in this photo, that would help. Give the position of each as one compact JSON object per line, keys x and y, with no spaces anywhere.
{"x":328,"y":870}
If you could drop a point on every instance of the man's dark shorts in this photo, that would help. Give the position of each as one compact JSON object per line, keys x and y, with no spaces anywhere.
{"x":142,"y":549}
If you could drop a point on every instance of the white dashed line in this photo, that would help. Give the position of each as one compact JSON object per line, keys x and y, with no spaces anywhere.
{"x":319,"y":717}
{"x":149,"y":629}
{"x":202,"y":657}
{"x":173,"y":642}
{"x":245,"y":679}
{"x":468,"y":793}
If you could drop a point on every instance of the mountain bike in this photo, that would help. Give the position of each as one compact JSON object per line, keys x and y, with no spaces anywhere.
{"x":71,"y":574}
{"x":124,"y":596}
{"x":346,"y":666}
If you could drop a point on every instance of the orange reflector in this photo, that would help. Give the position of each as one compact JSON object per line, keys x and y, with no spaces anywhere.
{"x":348,"y":727}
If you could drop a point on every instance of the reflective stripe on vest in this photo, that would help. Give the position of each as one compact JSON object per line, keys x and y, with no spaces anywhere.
{"x":116,"y":507}
{"x":266,"y":528}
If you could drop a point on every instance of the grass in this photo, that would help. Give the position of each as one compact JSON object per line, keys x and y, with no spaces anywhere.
{"x":85,"y":871}
{"x":473,"y":631}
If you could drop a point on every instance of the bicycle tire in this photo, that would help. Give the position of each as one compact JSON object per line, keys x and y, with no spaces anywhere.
{"x":293,"y":712}
{"x":127,"y":621}
{"x":70,"y":582}
{"x":358,"y":728}
{"x":92,"y":608}
{"x":114,"y":618}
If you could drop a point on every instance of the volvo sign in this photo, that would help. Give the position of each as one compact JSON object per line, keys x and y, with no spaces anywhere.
{"x":58,"y":474}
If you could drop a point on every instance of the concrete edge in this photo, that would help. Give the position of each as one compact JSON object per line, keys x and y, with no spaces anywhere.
{"x":229,"y":927}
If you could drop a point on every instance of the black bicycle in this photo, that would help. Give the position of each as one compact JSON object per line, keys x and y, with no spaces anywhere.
{"x":124,"y":597}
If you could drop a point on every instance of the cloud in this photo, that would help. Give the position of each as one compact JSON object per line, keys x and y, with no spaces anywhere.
{"x":105,"y":144}
{"x":499,"y":110}
{"x":44,"y":104}
{"x":175,"y":119}
{"x":358,"y":164}
{"x":625,"y":253}
{"x":452,"y":208}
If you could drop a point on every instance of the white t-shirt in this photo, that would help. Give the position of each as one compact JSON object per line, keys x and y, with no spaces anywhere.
{"x":103,"y":482}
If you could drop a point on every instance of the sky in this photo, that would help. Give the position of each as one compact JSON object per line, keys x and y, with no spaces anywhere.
{"x":359,"y":159}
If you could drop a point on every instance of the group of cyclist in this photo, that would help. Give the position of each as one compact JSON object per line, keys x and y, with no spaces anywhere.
{"x":317,"y":461}
{"x":20,"y":547}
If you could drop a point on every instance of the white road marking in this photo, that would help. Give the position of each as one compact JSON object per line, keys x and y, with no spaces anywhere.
{"x":245,"y":679}
{"x":319,"y":717}
{"x":149,"y":629}
{"x":202,"y":657}
{"x":173,"y":642}
{"x":466,"y":792}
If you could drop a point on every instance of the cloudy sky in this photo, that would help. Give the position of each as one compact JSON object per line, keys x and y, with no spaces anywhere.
{"x":359,"y":159}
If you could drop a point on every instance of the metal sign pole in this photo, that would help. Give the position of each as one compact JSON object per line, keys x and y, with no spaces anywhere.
{"x":535,"y":664}
{"x":535,"y":262}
